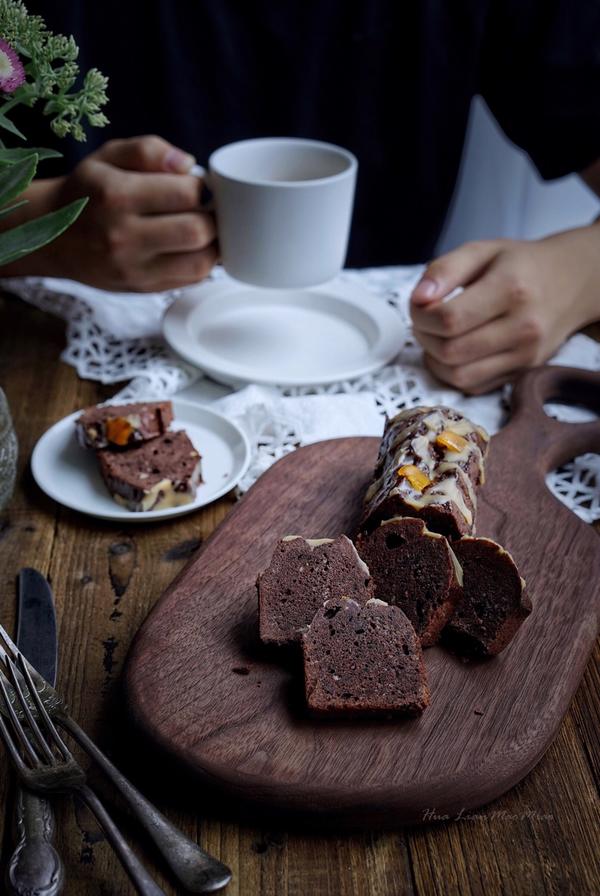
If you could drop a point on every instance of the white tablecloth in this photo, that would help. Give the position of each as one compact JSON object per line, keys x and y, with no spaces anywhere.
{"x":117,"y":337}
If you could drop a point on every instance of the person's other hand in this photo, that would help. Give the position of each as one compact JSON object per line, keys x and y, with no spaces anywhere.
{"x":520,"y":301}
{"x":142,"y":229}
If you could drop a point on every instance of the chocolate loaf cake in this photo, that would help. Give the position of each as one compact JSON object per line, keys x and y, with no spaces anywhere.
{"x":302,"y":575}
{"x":494,"y":601}
{"x":363,"y":660}
{"x":121,"y":426}
{"x":430,"y":462}
{"x":416,"y":570}
{"x":157,"y":474}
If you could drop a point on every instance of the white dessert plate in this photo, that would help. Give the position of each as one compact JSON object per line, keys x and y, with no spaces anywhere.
{"x":288,"y":337}
{"x":69,"y":473}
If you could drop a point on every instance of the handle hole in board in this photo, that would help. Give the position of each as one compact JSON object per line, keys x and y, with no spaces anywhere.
{"x":572,"y":392}
{"x":570,"y":411}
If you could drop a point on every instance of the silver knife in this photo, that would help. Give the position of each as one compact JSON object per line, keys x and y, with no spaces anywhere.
{"x":35,"y":867}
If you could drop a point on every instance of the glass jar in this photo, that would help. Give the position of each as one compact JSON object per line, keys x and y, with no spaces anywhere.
{"x":8,"y":453}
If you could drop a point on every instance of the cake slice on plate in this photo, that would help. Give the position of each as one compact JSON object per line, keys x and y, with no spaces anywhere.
{"x":156,"y":475}
{"x":122,"y":426}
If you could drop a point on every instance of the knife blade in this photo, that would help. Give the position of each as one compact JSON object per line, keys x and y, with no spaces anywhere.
{"x":36,"y":623}
{"x":35,"y":867}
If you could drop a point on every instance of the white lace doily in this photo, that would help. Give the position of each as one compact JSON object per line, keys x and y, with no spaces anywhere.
{"x":113,"y":338}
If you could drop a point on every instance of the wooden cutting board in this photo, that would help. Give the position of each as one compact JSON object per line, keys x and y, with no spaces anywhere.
{"x":201,"y":686}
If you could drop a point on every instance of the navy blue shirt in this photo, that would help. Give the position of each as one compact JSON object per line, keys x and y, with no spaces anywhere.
{"x":392,"y":80}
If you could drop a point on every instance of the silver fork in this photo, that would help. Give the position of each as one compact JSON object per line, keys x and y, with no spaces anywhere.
{"x":196,"y":870}
{"x":45,"y":764}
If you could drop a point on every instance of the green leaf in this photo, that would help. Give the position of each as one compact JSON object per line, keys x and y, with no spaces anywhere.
{"x":10,"y":156}
{"x":16,"y":178}
{"x":11,"y":208}
{"x":7,"y":124}
{"x":32,"y":235}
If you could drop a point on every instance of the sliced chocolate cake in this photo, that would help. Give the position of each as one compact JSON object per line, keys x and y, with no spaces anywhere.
{"x":413,"y":569}
{"x":302,"y":575}
{"x":494,"y":601}
{"x":430,"y":462}
{"x":363,"y":660}
{"x":121,"y":426}
{"x":161,"y":473}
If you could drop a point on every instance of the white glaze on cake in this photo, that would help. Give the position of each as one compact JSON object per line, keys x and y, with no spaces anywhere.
{"x":412,"y":440}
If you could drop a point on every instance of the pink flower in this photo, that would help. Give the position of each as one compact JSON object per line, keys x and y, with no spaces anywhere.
{"x":12,"y":73}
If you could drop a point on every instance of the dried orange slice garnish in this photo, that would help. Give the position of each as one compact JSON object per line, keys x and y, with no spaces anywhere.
{"x":416,"y":477}
{"x":118,"y":430}
{"x":451,"y":440}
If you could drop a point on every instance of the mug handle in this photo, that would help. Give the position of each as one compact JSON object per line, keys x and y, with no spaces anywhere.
{"x":200,"y":171}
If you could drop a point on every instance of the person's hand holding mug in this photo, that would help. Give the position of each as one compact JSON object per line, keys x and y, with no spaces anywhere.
{"x":142,"y":230}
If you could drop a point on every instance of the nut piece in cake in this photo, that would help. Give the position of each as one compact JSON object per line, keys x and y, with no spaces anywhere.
{"x":413,"y":569}
{"x":155,"y":475}
{"x":302,"y":575}
{"x":363,"y":660}
{"x":494,"y":602}
{"x":122,"y":426}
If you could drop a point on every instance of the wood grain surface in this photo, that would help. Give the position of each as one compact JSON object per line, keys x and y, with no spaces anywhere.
{"x":540,"y":837}
{"x":201,"y":685}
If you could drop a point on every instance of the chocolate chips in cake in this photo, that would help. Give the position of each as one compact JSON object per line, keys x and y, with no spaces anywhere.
{"x":158,"y":474}
{"x":302,"y":575}
{"x":363,"y":660}
{"x":122,"y":426}
{"x":413,"y":569}
{"x":494,"y":602}
{"x":429,"y":465}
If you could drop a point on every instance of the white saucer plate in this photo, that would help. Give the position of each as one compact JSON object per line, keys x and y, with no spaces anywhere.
{"x":69,"y":474}
{"x":240,"y":334}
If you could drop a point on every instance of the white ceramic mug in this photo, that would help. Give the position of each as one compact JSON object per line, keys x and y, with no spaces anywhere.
{"x":284,"y":207}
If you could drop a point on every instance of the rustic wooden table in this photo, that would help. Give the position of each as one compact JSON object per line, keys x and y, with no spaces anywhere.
{"x":542,"y":837}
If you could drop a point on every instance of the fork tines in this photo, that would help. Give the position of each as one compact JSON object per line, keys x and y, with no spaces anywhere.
{"x":25,"y":709}
{"x":10,"y":648}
